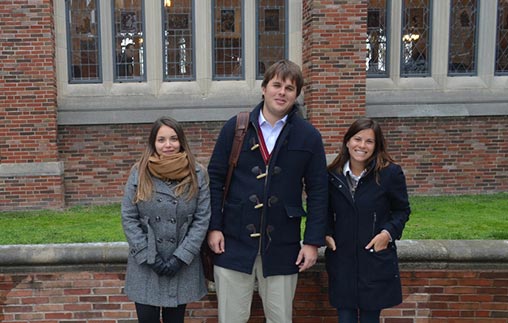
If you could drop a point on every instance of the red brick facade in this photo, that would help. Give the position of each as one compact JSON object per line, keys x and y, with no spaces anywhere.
{"x":97,"y":296}
{"x":441,"y":155}
{"x":28,"y":92}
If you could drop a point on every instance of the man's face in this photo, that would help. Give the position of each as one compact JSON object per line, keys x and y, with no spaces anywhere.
{"x":280,"y":95}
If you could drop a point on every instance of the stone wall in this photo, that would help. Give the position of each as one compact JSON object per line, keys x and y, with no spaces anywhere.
{"x":443,"y":281}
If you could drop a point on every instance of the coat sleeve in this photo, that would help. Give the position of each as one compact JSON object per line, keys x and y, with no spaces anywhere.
{"x":316,"y":188}
{"x":217,"y":170}
{"x":131,"y":221}
{"x":399,"y":203}
{"x":196,"y":233}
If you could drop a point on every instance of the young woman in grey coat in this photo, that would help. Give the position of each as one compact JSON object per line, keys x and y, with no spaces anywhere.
{"x":368,"y":208}
{"x":165,"y":216}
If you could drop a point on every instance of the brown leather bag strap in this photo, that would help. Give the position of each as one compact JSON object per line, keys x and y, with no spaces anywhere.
{"x":242,"y":123}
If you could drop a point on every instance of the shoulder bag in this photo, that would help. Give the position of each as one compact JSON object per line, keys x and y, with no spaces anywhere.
{"x":242,"y":122}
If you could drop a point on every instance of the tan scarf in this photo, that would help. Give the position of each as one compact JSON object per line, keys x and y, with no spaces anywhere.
{"x":169,"y":168}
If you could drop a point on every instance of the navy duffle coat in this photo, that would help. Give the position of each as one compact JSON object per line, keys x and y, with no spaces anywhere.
{"x":360,"y":278}
{"x":263,"y":213}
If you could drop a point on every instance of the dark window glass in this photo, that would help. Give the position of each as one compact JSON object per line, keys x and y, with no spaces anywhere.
{"x":416,"y":31}
{"x":271,"y":46}
{"x":377,"y":49}
{"x":128,"y":31}
{"x":501,"y":67}
{"x":178,"y":40}
{"x":83,"y":41}
{"x":227,"y":39}
{"x":463,"y":37}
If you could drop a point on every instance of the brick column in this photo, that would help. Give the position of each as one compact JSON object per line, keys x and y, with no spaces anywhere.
{"x":31,"y":175}
{"x":334,"y":34}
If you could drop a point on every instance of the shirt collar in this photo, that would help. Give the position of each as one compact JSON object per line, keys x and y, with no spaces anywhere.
{"x":262,"y":121}
{"x":347,"y":170}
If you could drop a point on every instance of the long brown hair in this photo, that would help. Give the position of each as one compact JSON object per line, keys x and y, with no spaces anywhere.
{"x":188,"y":185}
{"x":383,"y":159}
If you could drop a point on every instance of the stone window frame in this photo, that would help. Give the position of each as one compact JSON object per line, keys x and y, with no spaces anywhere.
{"x":440,"y":95}
{"x":202,"y":99}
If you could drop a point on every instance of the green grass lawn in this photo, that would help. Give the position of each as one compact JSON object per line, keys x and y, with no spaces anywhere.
{"x":443,"y":217}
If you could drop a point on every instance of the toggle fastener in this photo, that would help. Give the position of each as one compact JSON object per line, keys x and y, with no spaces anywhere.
{"x":254,"y":147}
{"x":260,"y":176}
{"x":258,"y":206}
{"x":255,"y":235}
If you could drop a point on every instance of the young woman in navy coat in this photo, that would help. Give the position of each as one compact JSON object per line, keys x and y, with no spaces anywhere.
{"x":368,"y":208}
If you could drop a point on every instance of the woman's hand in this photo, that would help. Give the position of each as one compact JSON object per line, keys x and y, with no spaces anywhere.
{"x":379,"y":242}
{"x":330,"y":243}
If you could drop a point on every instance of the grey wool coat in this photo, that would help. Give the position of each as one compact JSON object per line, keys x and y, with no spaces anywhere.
{"x":168,"y":225}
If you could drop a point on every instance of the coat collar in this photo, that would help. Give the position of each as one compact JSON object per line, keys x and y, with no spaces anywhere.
{"x":338,"y":180}
{"x":167,"y":188}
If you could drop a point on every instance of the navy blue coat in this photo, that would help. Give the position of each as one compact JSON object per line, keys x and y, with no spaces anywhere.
{"x":297,"y":160}
{"x":360,"y":278}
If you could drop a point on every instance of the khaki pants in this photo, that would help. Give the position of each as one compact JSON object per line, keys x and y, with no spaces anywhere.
{"x":235,"y":290}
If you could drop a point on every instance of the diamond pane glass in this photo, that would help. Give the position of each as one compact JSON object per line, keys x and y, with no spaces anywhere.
{"x":463,"y":33}
{"x":271,"y":34}
{"x":415,"y":42}
{"x":377,"y":53}
{"x":178,"y":40}
{"x":501,"y":67}
{"x":128,"y":41}
{"x":227,"y":39}
{"x":84,"y":41}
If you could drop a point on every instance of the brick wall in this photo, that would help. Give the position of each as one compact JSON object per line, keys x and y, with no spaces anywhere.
{"x":439,"y":155}
{"x":28,"y":131}
{"x":98,"y":159}
{"x":95,"y":295}
{"x":333,"y":58}
{"x":451,"y":155}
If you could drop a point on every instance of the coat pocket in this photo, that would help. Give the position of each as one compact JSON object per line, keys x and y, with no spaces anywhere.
{"x":232,"y":220}
{"x":383,"y":265}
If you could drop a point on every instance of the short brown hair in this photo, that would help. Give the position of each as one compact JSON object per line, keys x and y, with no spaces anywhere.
{"x":285,"y":69}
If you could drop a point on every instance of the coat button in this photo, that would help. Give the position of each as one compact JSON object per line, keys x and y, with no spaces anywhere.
{"x":172,"y":220}
{"x":159,"y":240}
{"x":159,"y":200}
{"x":158,"y":218}
{"x":172,"y":240}
{"x":174,"y":202}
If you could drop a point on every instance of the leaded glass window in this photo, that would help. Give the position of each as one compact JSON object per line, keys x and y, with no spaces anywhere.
{"x":463,"y":37}
{"x":83,"y":30}
{"x":271,"y":46}
{"x":501,"y":67}
{"x":227,"y":39}
{"x":128,"y":42}
{"x":416,"y":31}
{"x":178,"y":26}
{"x":377,"y":50}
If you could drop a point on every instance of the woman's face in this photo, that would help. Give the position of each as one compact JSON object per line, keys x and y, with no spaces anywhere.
{"x":166,"y":141}
{"x":361,"y":146}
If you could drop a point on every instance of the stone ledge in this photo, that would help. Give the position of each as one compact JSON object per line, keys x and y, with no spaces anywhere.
{"x":430,"y":254}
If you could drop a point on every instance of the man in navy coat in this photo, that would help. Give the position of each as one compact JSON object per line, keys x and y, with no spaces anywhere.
{"x":256,"y":234}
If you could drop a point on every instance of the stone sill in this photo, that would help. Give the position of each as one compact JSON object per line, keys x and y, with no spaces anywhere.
{"x":427,"y":254}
